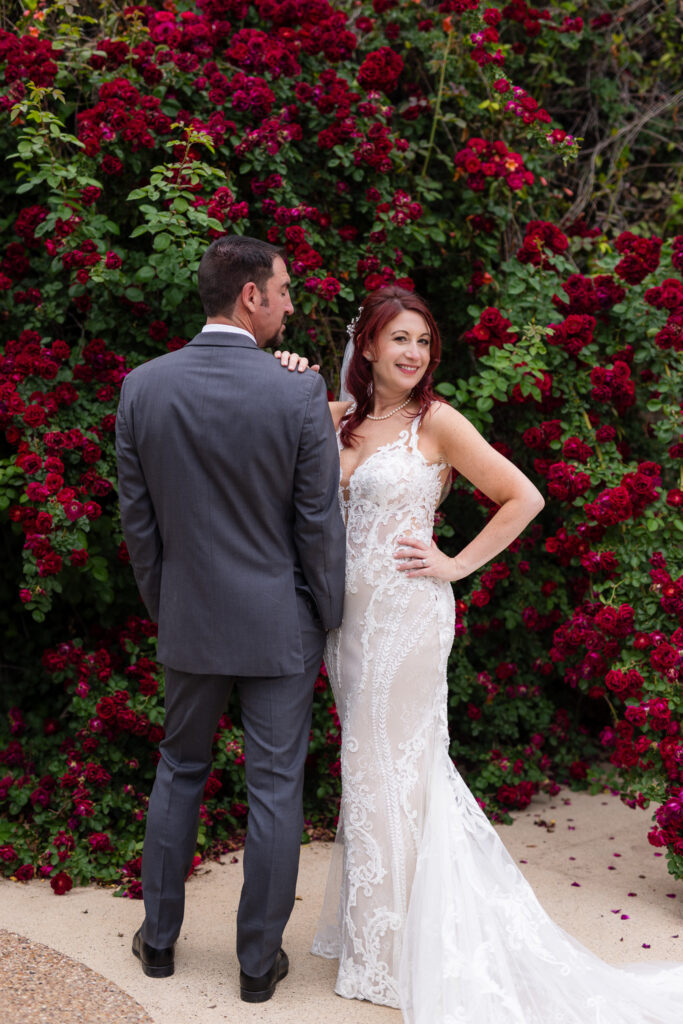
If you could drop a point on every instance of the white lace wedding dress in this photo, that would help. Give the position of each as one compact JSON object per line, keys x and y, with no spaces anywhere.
{"x":425,"y":909}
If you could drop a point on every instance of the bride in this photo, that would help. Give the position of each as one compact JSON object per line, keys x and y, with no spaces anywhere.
{"x":425,"y":909}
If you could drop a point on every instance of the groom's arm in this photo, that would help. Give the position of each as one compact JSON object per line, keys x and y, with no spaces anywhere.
{"x":319,"y":532}
{"x":138,"y":519}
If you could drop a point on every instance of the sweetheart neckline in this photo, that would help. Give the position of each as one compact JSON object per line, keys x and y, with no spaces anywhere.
{"x":382,"y":448}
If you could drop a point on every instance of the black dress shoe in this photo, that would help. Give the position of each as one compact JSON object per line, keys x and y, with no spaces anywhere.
{"x":257,"y":990}
{"x":156,"y":963}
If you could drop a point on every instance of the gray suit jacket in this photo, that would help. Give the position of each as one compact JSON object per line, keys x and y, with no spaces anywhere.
{"x":228,"y":479}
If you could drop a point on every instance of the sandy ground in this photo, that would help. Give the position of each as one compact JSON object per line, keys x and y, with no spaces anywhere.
{"x":587,"y":858}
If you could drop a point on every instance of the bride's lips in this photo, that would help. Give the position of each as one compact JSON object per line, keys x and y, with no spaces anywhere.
{"x":408,"y":369}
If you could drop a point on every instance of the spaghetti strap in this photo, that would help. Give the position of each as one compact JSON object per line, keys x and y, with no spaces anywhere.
{"x":414,"y":427}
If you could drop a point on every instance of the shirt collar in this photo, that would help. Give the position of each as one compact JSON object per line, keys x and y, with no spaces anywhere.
{"x":228,"y":328}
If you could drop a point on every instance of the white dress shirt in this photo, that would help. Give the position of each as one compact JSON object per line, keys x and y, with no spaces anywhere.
{"x":230,"y":328}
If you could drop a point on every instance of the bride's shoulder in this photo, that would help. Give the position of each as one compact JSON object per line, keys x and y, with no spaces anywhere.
{"x":447,"y":431}
{"x":338,"y":411}
{"x":441,"y":417}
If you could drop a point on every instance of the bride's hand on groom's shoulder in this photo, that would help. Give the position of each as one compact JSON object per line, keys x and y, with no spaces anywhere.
{"x":293,"y":361}
{"x":415,"y":558}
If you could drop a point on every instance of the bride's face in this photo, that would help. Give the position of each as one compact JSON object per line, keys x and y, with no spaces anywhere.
{"x":400,"y":352}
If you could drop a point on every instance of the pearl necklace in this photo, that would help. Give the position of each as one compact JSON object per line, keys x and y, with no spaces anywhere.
{"x":388,"y":414}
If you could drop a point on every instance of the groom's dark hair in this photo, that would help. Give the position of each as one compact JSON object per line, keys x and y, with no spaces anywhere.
{"x":227,"y":265}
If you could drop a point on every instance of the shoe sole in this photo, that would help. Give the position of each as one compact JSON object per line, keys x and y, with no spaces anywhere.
{"x":154,"y":972}
{"x":261,"y":997}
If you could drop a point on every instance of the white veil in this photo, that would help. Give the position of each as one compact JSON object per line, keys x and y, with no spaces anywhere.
{"x":344,"y":393}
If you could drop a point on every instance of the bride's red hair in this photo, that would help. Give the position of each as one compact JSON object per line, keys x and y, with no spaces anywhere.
{"x":377,"y":310}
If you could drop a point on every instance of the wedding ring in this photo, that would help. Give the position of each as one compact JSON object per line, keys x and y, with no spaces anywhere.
{"x":424,"y":563}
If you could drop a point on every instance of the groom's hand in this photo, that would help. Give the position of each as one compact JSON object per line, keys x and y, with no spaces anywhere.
{"x":293,"y":361}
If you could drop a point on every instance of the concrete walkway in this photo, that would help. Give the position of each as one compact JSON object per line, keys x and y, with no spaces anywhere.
{"x":587,"y":857}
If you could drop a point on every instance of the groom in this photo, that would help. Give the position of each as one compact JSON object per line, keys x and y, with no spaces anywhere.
{"x":228,"y":476}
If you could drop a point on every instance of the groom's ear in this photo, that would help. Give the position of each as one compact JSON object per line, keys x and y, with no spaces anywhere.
{"x":250,"y":296}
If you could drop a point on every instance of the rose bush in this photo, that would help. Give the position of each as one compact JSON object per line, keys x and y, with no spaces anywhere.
{"x":425,"y":143}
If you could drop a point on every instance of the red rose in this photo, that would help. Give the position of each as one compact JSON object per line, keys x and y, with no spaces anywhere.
{"x":155,"y":734}
{"x":106,"y":708}
{"x":636,"y":715}
{"x":111,"y":164}
{"x":213,"y":786}
{"x":24,"y":873}
{"x":126,"y":718}
{"x":91,"y":453}
{"x":43,"y":522}
{"x":34,"y":416}
{"x":99,"y":841}
{"x":40,"y":797}
{"x":380,"y":70}
{"x":61,"y":883}
{"x":73,"y":510}
{"x":50,"y":565}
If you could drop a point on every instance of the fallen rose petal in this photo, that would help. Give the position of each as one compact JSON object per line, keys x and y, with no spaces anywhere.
{"x":646,"y":945}
{"x":633,"y":894}
{"x":671,"y":895}
{"x":624,"y":917}
{"x":577,"y":884}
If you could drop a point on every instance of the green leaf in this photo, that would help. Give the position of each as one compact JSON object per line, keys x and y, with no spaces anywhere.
{"x":145,"y":273}
{"x":162,"y":241}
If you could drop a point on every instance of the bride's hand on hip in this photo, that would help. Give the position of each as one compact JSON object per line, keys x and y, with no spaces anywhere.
{"x":416,"y":558}
{"x":293,"y":361}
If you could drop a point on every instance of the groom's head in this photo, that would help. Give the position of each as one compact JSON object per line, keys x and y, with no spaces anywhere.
{"x":244,"y":281}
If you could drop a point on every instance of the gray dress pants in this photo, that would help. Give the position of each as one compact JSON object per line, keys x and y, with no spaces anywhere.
{"x":276,"y":714}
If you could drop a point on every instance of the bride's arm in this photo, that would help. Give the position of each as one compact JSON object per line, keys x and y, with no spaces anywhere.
{"x":463,"y":447}
{"x":338,"y":411}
